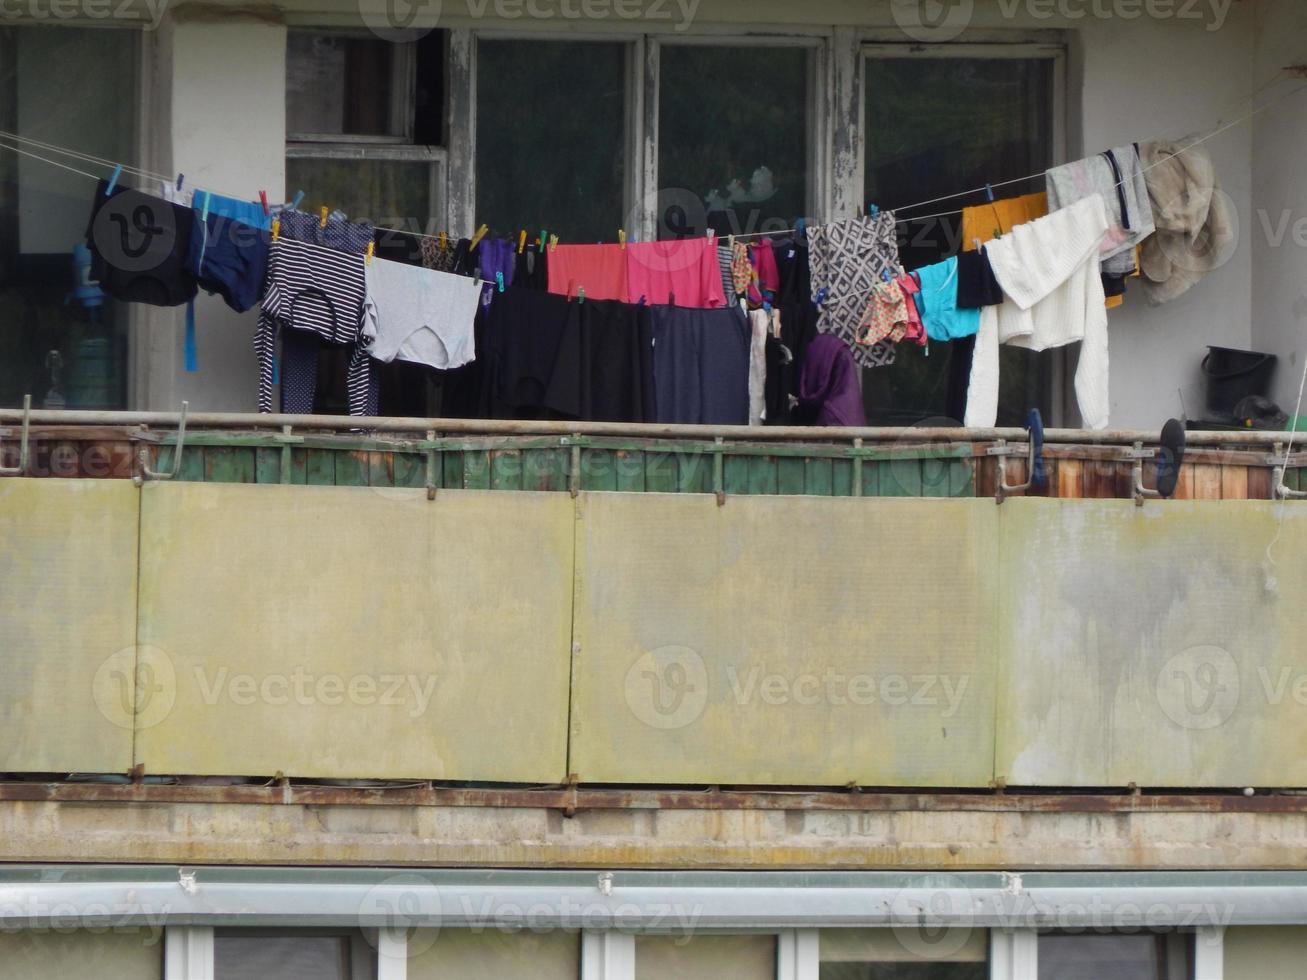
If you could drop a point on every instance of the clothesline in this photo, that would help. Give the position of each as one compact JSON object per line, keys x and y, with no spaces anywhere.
{"x":139,"y":172}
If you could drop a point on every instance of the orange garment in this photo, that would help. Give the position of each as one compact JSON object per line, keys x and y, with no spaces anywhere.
{"x":985,"y":222}
{"x":600,"y":269}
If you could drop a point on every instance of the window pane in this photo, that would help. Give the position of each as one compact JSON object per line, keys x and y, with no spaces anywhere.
{"x":973,"y":121}
{"x":39,"y":954}
{"x":493,"y":955}
{"x":744,"y":158}
{"x":65,"y":346}
{"x":945,"y":953}
{"x":705,"y":957}
{"x":284,"y":957}
{"x":1136,"y":957}
{"x":338,"y":85}
{"x":551,"y":125}
{"x":394,"y":194}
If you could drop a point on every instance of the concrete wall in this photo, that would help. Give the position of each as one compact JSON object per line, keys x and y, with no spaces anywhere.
{"x":1129,"y":79}
{"x":1279,"y":228}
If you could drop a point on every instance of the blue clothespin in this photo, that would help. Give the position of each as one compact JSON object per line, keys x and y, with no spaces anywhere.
{"x":873,"y":210}
{"x":113,"y":181}
{"x":801,"y":228}
{"x":189,"y":354}
{"x":499,"y":281}
{"x":821,"y":295}
{"x":766,"y":306}
{"x":886,"y":275}
{"x":643,"y":300}
{"x":299,"y":196}
{"x":989,"y":192}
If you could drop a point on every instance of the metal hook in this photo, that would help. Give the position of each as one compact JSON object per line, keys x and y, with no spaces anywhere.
{"x":149,"y":474}
{"x":21,"y":468}
{"x":1279,"y":491}
{"x":1002,"y":450}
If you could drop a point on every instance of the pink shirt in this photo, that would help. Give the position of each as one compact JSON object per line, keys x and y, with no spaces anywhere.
{"x":687,"y":270}
{"x":600,"y":269}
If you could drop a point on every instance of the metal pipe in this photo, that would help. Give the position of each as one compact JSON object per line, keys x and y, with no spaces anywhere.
{"x":906,"y":434}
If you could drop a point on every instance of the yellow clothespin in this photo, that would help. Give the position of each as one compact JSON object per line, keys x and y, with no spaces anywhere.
{"x":553,"y":242}
{"x":324,"y":217}
{"x":276,"y":228}
{"x":481,"y":233}
{"x":730,"y":243}
{"x":521,"y":242}
{"x":621,"y":237}
{"x":444,"y":241}
{"x":371,"y":248}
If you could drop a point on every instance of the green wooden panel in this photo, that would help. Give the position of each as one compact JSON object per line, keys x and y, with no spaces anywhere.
{"x":410,"y":470}
{"x":506,"y":469}
{"x":381,"y":469}
{"x":694,"y":473}
{"x":545,"y":469}
{"x":320,"y":467}
{"x":451,"y":468}
{"x":790,"y":476}
{"x":896,"y":477}
{"x":762,"y":475}
{"x":267,"y":465}
{"x":299,"y":463}
{"x":735,"y":474}
{"x":476,"y":470}
{"x":229,"y":465}
{"x":842,"y":477}
{"x":352,"y":469}
{"x":936,"y":475}
{"x":630,"y":471}
{"x":598,"y":469}
{"x":871,"y":479}
{"x":818,"y":476}
{"x":660,"y":472}
{"x":962,"y":478}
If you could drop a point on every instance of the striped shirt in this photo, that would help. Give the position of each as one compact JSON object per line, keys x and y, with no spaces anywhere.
{"x":311,"y":287}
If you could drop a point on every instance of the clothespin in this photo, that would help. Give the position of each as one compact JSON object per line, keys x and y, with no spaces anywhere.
{"x":444,"y":241}
{"x":276,"y":228}
{"x":711,"y":233}
{"x":621,"y":238}
{"x":521,"y":242}
{"x":323,"y":222}
{"x":204,"y":214}
{"x":801,"y":228}
{"x":671,"y":299}
{"x":730,"y":243}
{"x":821,"y":296}
{"x":180,"y":178}
{"x":580,"y":295}
{"x":499,"y":281}
{"x":643,"y":300}
{"x":873,"y":210}
{"x":113,"y":180}
{"x":544,"y":237}
{"x":371,"y":248}
{"x":263,"y":199}
{"x":299,"y":196}
{"x":989,"y":193}
{"x":886,"y":275}
{"x":480,"y":234}
{"x":553,"y":243}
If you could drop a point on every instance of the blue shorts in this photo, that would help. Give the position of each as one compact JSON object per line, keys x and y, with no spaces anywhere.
{"x":229,"y":257}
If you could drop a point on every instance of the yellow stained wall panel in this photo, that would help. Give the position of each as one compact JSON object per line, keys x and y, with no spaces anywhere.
{"x":784,"y":640}
{"x":67,"y":624}
{"x":355,"y":632}
{"x":1162,"y":645}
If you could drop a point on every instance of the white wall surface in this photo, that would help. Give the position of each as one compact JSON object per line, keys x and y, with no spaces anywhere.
{"x":1279,"y":228}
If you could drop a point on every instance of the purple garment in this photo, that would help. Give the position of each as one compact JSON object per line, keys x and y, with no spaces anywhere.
{"x":828,"y":383}
{"x":495,"y":255}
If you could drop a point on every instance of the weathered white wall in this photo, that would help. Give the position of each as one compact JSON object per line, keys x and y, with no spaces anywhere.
{"x":1265,"y":953}
{"x":1279,"y":228}
{"x":220,"y":119}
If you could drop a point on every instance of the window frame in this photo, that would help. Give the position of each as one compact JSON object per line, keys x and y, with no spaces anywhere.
{"x":1061,"y":398}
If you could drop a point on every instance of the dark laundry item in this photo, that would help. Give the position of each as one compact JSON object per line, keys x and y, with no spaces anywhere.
{"x":1114,"y":284}
{"x":465,"y":258}
{"x":299,"y":371}
{"x":794,"y":271}
{"x":463,"y":390}
{"x":828,"y":383}
{"x":977,"y":285}
{"x":398,"y":246}
{"x":139,"y":245}
{"x":344,"y":236}
{"x":531,"y":268}
{"x":782,"y":376}
{"x":230,"y":258}
{"x":496,"y":256}
{"x":604,"y":364}
{"x":524,"y":331}
{"x":700,"y":365}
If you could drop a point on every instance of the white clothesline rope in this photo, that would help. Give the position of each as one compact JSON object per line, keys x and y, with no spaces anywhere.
{"x":139,"y":172}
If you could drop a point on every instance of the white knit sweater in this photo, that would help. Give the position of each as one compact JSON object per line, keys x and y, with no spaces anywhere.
{"x":1053,"y":293}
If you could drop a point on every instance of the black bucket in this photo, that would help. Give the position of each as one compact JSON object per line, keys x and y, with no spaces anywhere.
{"x":1233,"y":375}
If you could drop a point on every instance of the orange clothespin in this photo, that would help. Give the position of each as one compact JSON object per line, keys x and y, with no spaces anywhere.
{"x":521,"y":242}
{"x":324,"y":216}
{"x":276,"y":228}
{"x":371,"y":248}
{"x":621,"y":237}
